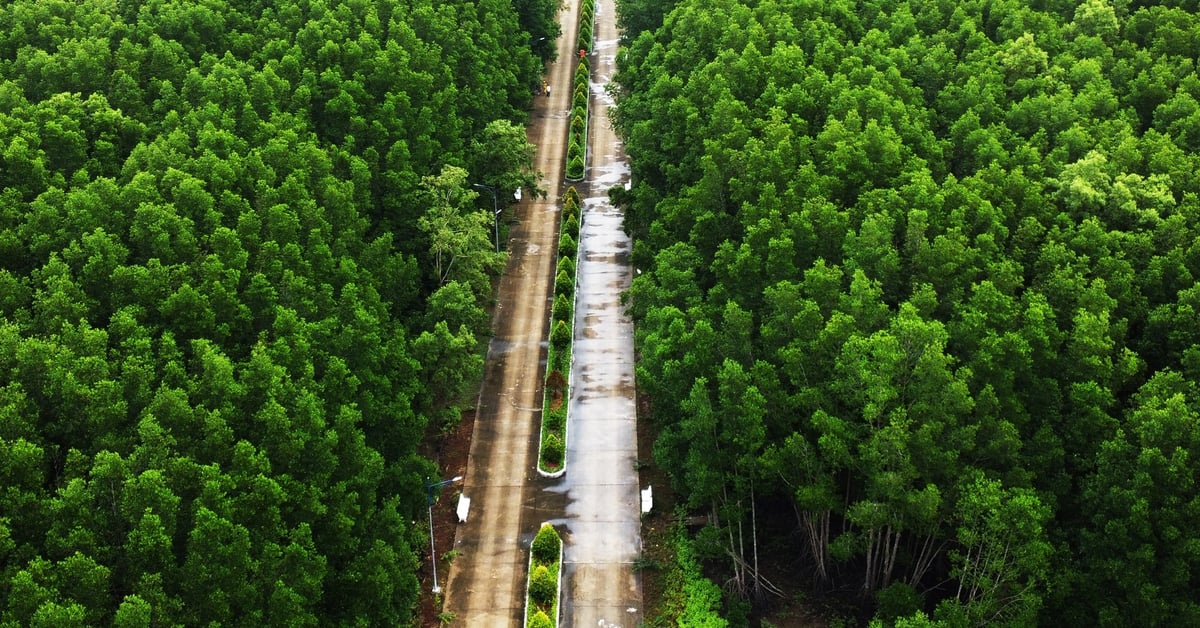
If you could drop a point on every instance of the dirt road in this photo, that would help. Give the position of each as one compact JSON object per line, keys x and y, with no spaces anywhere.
{"x":486,"y":583}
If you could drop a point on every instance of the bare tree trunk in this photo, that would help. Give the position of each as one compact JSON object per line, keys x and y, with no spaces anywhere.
{"x":891,"y":560}
{"x":754,"y":542}
{"x":924,"y":559}
{"x":868,"y":577}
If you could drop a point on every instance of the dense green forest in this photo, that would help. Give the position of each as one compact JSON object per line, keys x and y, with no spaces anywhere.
{"x":919,"y":309}
{"x":243,"y":271}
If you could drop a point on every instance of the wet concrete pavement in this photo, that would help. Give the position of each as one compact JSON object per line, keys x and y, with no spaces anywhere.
{"x":602,"y":510}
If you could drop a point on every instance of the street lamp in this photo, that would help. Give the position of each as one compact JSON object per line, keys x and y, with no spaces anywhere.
{"x":429,"y":486}
{"x":496,"y":207}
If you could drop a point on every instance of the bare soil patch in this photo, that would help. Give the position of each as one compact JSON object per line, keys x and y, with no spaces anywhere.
{"x":452,"y":450}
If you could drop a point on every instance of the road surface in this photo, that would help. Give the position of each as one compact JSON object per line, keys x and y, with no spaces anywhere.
{"x":602,"y":512}
{"x":485,"y":586}
{"x":596,"y":504}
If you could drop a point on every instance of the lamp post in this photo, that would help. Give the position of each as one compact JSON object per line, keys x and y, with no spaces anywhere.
{"x":429,"y":486}
{"x":496,"y":207}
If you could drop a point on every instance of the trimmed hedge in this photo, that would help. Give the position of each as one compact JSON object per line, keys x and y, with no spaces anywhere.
{"x":553,"y":436}
{"x":542,"y":588}
{"x":580,"y":95}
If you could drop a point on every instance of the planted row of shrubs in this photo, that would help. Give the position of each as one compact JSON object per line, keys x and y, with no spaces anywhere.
{"x":542,"y":588}
{"x":577,"y":137}
{"x":552,"y":452}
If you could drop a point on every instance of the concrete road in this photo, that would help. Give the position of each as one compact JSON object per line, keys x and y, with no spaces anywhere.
{"x":601,"y":484}
{"x":486,"y":583}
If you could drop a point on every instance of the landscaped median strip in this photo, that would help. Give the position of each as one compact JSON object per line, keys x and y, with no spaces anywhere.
{"x":577,"y":135}
{"x":543,"y":586}
{"x":552,"y":445}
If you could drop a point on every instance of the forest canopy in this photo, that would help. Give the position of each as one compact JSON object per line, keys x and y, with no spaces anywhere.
{"x":919,"y":301}
{"x":228,"y":313}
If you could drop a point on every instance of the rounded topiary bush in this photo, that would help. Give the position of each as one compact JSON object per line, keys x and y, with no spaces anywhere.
{"x":578,"y":126}
{"x":545,"y":544}
{"x":579,"y":111}
{"x":581,"y":98}
{"x":562,"y":308}
{"x":560,"y":336}
{"x":542,"y":586}
{"x":540,"y":620}
{"x":553,"y":450}
{"x":575,"y":168}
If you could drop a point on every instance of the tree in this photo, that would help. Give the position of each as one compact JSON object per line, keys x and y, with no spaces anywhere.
{"x":503,"y":158}
{"x":457,"y":233}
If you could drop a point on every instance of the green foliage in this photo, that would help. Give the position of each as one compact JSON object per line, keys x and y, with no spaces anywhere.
{"x":578,"y":126}
{"x":560,"y":336}
{"x":543,"y":585}
{"x":564,"y":284}
{"x":553,"y":450}
{"x":226,"y":235}
{"x":562,"y":310}
{"x":897,"y":600}
{"x":691,"y":599}
{"x":556,"y":419}
{"x":917,"y":269}
{"x":575,"y":168}
{"x":566,"y":245}
{"x":566,"y":265}
{"x":570,"y":227}
{"x":540,"y":620}
{"x":546,"y":546}
{"x":571,"y":198}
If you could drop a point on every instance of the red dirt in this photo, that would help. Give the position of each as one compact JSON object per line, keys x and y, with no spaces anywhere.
{"x":452,"y":453}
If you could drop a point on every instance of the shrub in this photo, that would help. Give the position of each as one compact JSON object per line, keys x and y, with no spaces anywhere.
{"x":561,"y":335}
{"x":566,"y":245}
{"x":578,"y":126}
{"x":553,"y":450}
{"x":542,"y":586}
{"x":571,"y":196}
{"x":545,"y":544}
{"x":565,"y":265}
{"x":556,"y":419}
{"x":563,"y":283}
{"x":581,"y":97}
{"x":562,"y":308}
{"x":579,"y":111}
{"x":582,"y":73}
{"x":575,"y":168}
{"x":898,"y":600}
{"x":570,"y":227}
{"x":540,"y":620}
